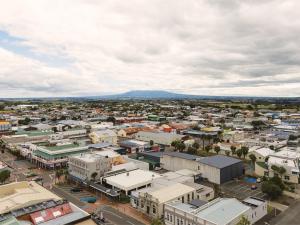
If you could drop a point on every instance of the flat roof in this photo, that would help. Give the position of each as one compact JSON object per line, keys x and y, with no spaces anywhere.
{"x":182,"y":155}
{"x":21,"y":194}
{"x":132,"y":179}
{"x":222,"y":211}
{"x":219,"y":161}
{"x":171,"y":192}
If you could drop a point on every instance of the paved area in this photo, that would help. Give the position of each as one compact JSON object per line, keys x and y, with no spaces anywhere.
{"x":241,"y":190}
{"x":291,"y":216}
{"x":116,"y":217}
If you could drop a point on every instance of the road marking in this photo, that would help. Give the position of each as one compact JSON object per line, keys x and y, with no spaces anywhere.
{"x":130,"y":222}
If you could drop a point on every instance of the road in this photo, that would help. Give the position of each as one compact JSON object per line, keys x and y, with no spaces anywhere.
{"x":291,"y":216}
{"x":116,"y":217}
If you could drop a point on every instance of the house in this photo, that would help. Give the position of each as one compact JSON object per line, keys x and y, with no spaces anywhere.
{"x":104,"y":136}
{"x":261,"y":154}
{"x":133,"y":146}
{"x":220,"y":211}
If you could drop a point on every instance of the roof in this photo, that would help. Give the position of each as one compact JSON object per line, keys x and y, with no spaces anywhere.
{"x":171,"y":192}
{"x":222,"y":211}
{"x":219,"y":161}
{"x":131,"y":180}
{"x":21,"y":194}
{"x":182,"y":155}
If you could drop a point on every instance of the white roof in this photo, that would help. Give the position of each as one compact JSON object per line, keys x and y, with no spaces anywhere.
{"x":133,"y":179}
{"x":264,"y":151}
{"x":273,"y":160}
{"x":171,"y":192}
{"x":222,"y":211}
{"x":288,"y":154}
{"x":108,"y":153}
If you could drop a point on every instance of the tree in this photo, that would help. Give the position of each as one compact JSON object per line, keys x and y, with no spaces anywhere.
{"x":207,"y":148}
{"x":271,"y":189}
{"x":191,"y":150}
{"x":151,"y":142}
{"x":217,"y":149}
{"x":94,"y":175}
{"x":245,"y":151}
{"x":239,"y":153}
{"x":281,"y":171}
{"x":181,"y":146}
{"x":4,"y":175}
{"x":233,"y":149}
{"x":227,"y":153}
{"x":58,"y":174}
{"x":156,"y":222}
{"x":253,"y":160}
{"x":111,"y":119}
{"x":196,"y":145}
{"x":272,"y":147}
{"x":243,"y":221}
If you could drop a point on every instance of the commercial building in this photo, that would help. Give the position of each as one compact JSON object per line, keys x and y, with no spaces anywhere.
{"x":82,"y":167}
{"x":171,"y":186}
{"x":161,"y":138}
{"x":29,"y":203}
{"x":221,"y":211}
{"x":100,"y":136}
{"x":219,"y":169}
{"x":132,"y":180}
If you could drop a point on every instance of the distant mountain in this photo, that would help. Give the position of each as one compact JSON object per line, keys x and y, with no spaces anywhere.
{"x":148,"y":94}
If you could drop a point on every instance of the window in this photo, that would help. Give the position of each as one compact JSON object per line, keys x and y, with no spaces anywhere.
{"x":182,"y":199}
{"x":154,"y":210}
{"x":171,"y":218}
{"x":207,"y":195}
{"x":178,"y":222}
{"x":188,"y":197}
{"x":294,"y":172}
{"x":286,"y":177}
{"x":193,"y":196}
{"x":168,"y":217}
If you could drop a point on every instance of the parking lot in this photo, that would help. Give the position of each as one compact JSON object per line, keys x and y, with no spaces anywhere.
{"x":80,"y":194}
{"x":241,"y":190}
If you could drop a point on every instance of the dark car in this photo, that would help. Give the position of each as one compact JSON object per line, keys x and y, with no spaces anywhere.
{"x":76,"y":189}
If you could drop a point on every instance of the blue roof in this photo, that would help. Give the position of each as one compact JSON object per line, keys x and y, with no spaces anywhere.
{"x":219,"y":161}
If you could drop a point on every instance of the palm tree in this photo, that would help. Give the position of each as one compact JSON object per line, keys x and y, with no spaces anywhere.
{"x":217,"y":149}
{"x":245,"y":150}
{"x":253,"y":160}
{"x":281,"y":171}
{"x":239,"y":153}
{"x":207,"y":148}
{"x":233,"y":149}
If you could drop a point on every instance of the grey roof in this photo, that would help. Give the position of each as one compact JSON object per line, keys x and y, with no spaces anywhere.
{"x":219,"y":161}
{"x":182,"y":155}
{"x":100,"y":145}
{"x":155,"y":154}
{"x":198,"y":202}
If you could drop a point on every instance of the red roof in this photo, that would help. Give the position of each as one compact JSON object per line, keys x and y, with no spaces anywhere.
{"x":50,"y":214}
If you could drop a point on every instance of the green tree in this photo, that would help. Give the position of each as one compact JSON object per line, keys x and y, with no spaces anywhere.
{"x":271,"y":189}
{"x":217,"y":149}
{"x":253,"y":160}
{"x":239,"y":153}
{"x":245,"y":151}
{"x":207,"y":148}
{"x":156,"y":222}
{"x":243,"y":221}
{"x":151,"y":142}
{"x":4,"y":175}
{"x":227,"y":153}
{"x":94,"y":175}
{"x":233,"y":149}
{"x":196,"y":145}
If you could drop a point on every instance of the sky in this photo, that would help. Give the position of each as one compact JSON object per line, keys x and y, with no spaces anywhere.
{"x":54,"y":48}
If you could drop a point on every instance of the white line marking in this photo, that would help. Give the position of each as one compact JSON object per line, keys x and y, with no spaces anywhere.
{"x":130,"y":222}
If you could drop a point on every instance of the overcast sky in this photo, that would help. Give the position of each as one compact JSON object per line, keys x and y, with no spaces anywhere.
{"x":205,"y":47}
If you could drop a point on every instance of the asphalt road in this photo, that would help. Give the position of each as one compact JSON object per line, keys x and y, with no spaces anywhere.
{"x":291,"y":216}
{"x":116,"y":217}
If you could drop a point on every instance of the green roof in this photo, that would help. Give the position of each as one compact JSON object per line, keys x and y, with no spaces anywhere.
{"x":61,"y":147}
{"x":35,"y":133}
{"x":10,"y":221}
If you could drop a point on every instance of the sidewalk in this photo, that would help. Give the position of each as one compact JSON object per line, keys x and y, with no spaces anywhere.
{"x":278,"y":206}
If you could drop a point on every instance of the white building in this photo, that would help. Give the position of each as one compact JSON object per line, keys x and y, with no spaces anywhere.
{"x":221,"y":211}
{"x":82,"y":166}
{"x":132,"y":180}
{"x":101,"y":136}
{"x":158,"y":137}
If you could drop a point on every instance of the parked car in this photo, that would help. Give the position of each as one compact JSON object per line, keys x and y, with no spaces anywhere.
{"x":76,"y":189}
{"x":258,"y":180}
{"x":253,"y":187}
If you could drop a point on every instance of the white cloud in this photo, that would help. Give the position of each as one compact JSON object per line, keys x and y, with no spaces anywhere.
{"x":194,"y":46}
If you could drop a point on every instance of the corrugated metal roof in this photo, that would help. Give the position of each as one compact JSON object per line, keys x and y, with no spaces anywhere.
{"x":219,"y":161}
{"x":182,"y":155}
